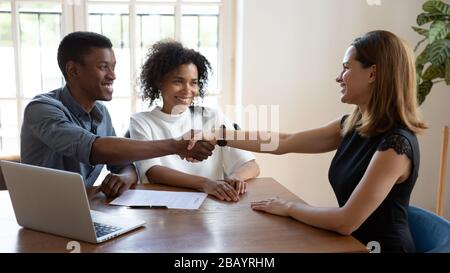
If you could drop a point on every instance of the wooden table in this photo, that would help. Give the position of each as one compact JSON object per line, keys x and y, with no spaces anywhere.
{"x":216,"y":227}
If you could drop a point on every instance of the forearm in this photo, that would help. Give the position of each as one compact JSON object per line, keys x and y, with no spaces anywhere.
{"x":319,"y":140}
{"x":259,"y":142}
{"x":171,"y":177}
{"x":247,"y":171}
{"x":121,"y":151}
{"x":332,"y":219}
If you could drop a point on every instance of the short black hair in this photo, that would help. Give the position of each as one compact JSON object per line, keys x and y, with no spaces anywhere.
{"x":162,"y":58}
{"x":76,"y":45}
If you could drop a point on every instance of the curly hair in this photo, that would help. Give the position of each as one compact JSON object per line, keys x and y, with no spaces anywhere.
{"x":162,"y":58}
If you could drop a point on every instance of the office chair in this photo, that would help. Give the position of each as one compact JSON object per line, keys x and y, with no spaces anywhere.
{"x":15,"y":158}
{"x":430,"y":232}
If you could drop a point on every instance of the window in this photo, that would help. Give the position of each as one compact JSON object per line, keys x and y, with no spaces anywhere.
{"x":8,"y":105}
{"x":30,"y":32}
{"x":29,"y":35}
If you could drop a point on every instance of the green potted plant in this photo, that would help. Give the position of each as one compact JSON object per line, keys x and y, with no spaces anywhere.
{"x":433,"y":63}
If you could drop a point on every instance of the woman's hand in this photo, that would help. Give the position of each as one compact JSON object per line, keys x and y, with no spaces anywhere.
{"x":238,"y":184}
{"x":221,"y":190}
{"x":274,"y":205}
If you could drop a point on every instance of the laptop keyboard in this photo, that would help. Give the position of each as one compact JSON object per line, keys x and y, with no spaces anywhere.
{"x":103,"y":229}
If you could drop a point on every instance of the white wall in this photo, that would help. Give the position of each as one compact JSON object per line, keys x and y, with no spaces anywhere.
{"x":292,"y":52}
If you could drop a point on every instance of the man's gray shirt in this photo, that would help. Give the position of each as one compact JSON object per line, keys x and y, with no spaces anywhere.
{"x":58,"y":133}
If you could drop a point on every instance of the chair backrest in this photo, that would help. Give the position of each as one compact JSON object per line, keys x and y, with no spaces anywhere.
{"x":440,"y":197}
{"x":15,"y":158}
{"x":2,"y":181}
{"x":430,"y":232}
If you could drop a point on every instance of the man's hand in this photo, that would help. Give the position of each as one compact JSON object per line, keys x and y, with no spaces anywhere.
{"x":194,"y":147}
{"x":221,"y":190}
{"x":115,"y":184}
{"x":237,"y":183}
{"x":196,"y":136}
{"x":201,"y":151}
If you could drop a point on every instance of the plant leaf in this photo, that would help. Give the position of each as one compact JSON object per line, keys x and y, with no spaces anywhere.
{"x":419,"y":43}
{"x":419,"y":70}
{"x":421,"y":31}
{"x":434,"y":72}
{"x":424,"y":18}
{"x":439,"y":52}
{"x":418,"y":76}
{"x":447,"y":72}
{"x":435,"y":6}
{"x":423,"y":57}
{"x":423,"y":90}
{"x":438,"y":31}
{"x":430,"y":6}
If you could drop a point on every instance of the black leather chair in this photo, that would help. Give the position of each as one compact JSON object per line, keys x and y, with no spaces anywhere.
{"x":15,"y":158}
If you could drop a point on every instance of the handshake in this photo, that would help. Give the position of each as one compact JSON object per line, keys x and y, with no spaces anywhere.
{"x":195,"y":145}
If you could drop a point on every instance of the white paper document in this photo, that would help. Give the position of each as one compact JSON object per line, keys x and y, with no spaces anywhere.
{"x":169,"y":199}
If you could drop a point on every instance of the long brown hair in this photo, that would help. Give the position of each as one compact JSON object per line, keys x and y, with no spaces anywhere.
{"x":393,"y":98}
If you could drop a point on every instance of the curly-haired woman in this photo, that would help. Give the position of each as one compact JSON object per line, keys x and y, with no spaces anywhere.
{"x":178,"y":75}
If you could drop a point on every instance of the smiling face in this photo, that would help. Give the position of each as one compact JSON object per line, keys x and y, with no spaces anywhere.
{"x":179,"y":88}
{"x":95,"y":76}
{"x":356,"y":82}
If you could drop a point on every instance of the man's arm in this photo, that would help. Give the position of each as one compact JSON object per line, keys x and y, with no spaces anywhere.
{"x":51,"y":125}
{"x":121,"y":151}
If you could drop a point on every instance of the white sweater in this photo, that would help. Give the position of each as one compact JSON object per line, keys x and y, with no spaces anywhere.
{"x":157,"y":125}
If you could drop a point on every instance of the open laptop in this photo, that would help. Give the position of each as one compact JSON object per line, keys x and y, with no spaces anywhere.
{"x":55,"y":202}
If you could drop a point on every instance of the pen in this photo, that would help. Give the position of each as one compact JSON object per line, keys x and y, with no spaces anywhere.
{"x":147,"y":207}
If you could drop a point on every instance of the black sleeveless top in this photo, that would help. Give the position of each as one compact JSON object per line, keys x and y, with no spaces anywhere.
{"x":388,"y":224}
